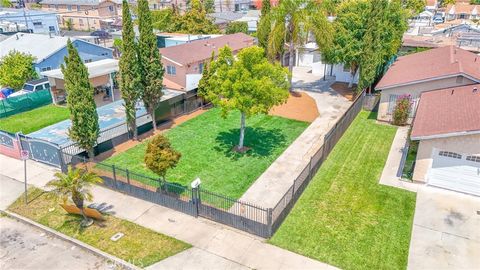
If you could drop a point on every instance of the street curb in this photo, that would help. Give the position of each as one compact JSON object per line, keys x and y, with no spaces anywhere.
{"x":96,"y":251}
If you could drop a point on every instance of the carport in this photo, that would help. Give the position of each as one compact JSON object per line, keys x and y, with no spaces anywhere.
{"x":101,"y":74}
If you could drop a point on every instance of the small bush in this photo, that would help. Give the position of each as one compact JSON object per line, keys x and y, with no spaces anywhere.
{"x":402,"y":110}
{"x":160,"y":156}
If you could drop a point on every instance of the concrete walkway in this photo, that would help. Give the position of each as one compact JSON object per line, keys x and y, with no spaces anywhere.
{"x":270,"y":187}
{"x":216,"y":246}
{"x":389,"y":174}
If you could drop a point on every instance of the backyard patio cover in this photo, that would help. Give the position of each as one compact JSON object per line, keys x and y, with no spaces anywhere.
{"x":95,"y":69}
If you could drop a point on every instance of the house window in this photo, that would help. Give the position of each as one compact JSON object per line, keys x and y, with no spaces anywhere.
{"x":393,"y":102}
{"x":171,"y":70}
{"x":200,"y":67}
{"x":80,"y":21}
{"x":110,"y":8}
{"x":78,"y":8}
{"x":346,"y":68}
{"x":88,"y":61}
{"x":51,"y":28}
{"x":474,"y":158}
{"x":69,"y":7}
{"x":46,"y":68}
{"x":450,"y":154}
{"x":37,"y":24}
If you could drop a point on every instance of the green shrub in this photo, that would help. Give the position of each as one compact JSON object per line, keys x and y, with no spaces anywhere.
{"x":160,"y":156}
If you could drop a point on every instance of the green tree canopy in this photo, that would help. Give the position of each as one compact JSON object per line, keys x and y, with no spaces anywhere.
{"x":130,"y":82}
{"x":80,"y":102}
{"x":237,"y":27}
{"x":16,"y":68}
{"x":194,"y":21}
{"x":162,"y":19}
{"x":415,"y":6}
{"x":151,"y":67}
{"x":160,"y":156}
{"x":248,"y":83}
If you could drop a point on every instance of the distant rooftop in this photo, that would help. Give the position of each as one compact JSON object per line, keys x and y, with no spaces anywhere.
{"x":77,"y":2}
{"x":200,"y":50}
{"x":38,"y":45}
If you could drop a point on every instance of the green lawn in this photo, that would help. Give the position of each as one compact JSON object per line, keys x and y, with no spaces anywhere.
{"x":345,"y":218}
{"x":206,"y":144}
{"x":139,"y":246}
{"x":34,"y":120}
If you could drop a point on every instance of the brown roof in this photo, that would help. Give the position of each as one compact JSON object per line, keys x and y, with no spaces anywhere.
{"x":447,"y":112}
{"x":200,"y":50}
{"x":432,"y":64}
{"x":463,"y":8}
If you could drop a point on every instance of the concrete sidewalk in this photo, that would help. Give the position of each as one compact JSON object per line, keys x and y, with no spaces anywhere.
{"x":389,"y":174}
{"x":270,"y":187}
{"x":215,"y":245}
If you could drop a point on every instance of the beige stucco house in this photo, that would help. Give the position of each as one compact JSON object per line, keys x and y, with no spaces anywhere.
{"x":84,"y":15}
{"x":447,"y":126}
{"x":425,"y":71}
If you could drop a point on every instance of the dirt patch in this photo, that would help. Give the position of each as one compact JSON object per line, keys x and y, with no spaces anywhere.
{"x":344,"y":90}
{"x":300,"y":106}
{"x":129,"y":144}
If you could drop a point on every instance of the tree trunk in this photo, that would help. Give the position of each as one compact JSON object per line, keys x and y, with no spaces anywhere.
{"x":134,"y":129}
{"x":91,"y":154}
{"x":79,"y":204}
{"x":242,"y":131}
{"x":354,"y":73}
{"x":154,"y":121}
{"x":291,"y":51}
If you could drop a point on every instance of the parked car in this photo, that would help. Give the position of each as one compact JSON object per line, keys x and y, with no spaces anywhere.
{"x":6,"y":92}
{"x":437,"y":19}
{"x":32,"y":86}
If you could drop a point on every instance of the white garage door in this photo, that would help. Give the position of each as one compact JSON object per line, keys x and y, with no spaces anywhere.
{"x":455,"y":171}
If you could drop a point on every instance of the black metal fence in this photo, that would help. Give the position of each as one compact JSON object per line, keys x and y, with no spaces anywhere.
{"x":201,"y":202}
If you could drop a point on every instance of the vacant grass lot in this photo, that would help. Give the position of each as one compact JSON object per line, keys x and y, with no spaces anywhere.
{"x":345,"y":218}
{"x":206,"y":144}
{"x":139,"y":246}
{"x":34,"y":120}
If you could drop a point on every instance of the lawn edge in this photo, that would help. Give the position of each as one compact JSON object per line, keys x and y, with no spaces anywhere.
{"x":71,"y":240}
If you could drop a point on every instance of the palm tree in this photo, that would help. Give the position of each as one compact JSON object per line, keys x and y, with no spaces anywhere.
{"x":292,"y":22}
{"x":75,"y":184}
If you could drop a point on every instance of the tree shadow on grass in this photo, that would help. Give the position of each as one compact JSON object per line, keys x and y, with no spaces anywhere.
{"x":262,"y":142}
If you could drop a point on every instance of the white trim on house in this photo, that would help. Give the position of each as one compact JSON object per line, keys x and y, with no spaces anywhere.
{"x":429,"y":80}
{"x":175,"y":62}
{"x":446,"y":135}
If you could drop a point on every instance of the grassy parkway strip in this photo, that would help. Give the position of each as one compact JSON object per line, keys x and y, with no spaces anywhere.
{"x":345,"y":218}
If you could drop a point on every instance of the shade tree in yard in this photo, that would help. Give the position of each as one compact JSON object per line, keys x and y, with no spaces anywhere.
{"x":16,"y":68}
{"x":248,"y":83}
{"x":80,"y":101}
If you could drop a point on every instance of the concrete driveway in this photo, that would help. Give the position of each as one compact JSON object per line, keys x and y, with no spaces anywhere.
{"x":446,"y":231}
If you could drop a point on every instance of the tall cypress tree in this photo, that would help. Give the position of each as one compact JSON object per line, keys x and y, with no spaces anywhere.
{"x":80,"y":102}
{"x":130,"y":83}
{"x":264,"y":25}
{"x":150,"y":61}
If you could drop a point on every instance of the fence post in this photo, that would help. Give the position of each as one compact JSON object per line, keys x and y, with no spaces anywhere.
{"x":114,"y":176}
{"x":195,"y":200}
{"x":269,"y":222}
{"x":128,"y":181}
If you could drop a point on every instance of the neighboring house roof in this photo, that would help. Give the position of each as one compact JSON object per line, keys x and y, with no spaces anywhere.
{"x":225,"y":17}
{"x":39,"y":46}
{"x":466,"y":8}
{"x":447,"y":112}
{"x":456,"y":28}
{"x":200,"y":50}
{"x":3,"y":37}
{"x":95,"y":69}
{"x":444,"y":62}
